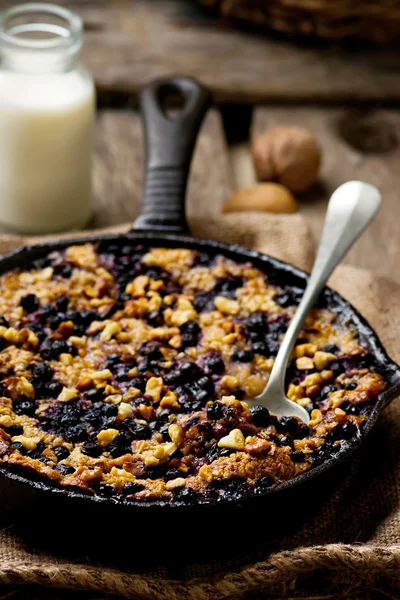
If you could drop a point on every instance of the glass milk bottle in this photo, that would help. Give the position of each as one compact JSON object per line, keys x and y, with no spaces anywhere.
{"x":47,"y":112}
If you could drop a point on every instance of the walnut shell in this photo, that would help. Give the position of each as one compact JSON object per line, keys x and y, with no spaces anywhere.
{"x":288,"y":154}
{"x":263,"y":197}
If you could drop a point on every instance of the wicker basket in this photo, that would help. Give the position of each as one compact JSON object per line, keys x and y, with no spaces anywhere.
{"x":377,"y":20}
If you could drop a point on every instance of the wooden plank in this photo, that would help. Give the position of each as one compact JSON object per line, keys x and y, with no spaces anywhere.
{"x":372,"y":156}
{"x":129,"y":42}
{"x":118,"y":168}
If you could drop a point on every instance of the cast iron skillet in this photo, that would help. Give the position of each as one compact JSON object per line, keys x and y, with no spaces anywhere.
{"x":170,"y":141}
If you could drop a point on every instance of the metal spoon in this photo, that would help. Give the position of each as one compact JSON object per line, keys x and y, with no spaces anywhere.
{"x":351,"y":208}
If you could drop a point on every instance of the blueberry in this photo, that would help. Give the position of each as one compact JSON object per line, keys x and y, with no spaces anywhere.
{"x":110,"y":410}
{"x":65,"y":469}
{"x":61,"y":452}
{"x":46,"y":424}
{"x":203,"y":259}
{"x":30,"y":303}
{"x":303,"y":431}
{"x":132,"y":488}
{"x":144,"y":366}
{"x":55,"y":321}
{"x":337,"y":368}
{"x":216,"y":452}
{"x":297,"y":457}
{"x":92,"y":449}
{"x":155,"y":318}
{"x":215,"y":411}
{"x":172,"y":378}
{"x":18,"y":446}
{"x":289,"y":424}
{"x":229,"y":283}
{"x":201,"y":301}
{"x":88,"y":316}
{"x":24,"y":406}
{"x":71,"y":414}
{"x":62,"y":303}
{"x":152,"y":351}
{"x":172,"y":473}
{"x":189,"y":371}
{"x":284,"y":300}
{"x":53,"y":389}
{"x":261,"y":416}
{"x":263,"y":484}
{"x":51,"y":349}
{"x":331,"y":348}
{"x":327,"y":389}
{"x":191,"y":327}
{"x":261,"y":348}
{"x":214,"y":364}
{"x":163,"y":415}
{"x":347,"y":431}
{"x":64,"y":270}
{"x":205,"y":383}
{"x":257,"y":320}
{"x":286,"y":441}
{"x":139,"y":383}
{"x":155,"y":273}
{"x":48,"y":310}
{"x":201,"y":397}
{"x":116,"y":449}
{"x":95,"y":395}
{"x":14,"y":430}
{"x":243,"y":356}
{"x":107,"y":491}
{"x":351,"y":386}
{"x":190,"y":333}
{"x":121,"y":373}
{"x":142,"y":432}
{"x":113,"y":359}
{"x":38,"y":329}
{"x":94,"y":414}
{"x":42,"y":372}
{"x":136,"y":430}
{"x":76,"y":433}
{"x":185,"y":495}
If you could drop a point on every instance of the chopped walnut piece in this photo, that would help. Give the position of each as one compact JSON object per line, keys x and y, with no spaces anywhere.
{"x":106,"y":436}
{"x":304,"y":363}
{"x":175,"y":483}
{"x":68,"y":394}
{"x":154,"y":388}
{"x":323,"y":359}
{"x":226,"y":306}
{"x":234,"y":440}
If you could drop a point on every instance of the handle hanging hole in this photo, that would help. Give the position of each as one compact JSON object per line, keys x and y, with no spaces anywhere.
{"x":171,"y":101}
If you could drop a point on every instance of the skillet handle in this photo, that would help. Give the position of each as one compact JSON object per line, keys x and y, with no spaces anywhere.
{"x":169,"y":143}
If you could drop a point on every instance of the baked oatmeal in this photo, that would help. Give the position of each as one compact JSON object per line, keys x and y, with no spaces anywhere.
{"x":123,"y":372}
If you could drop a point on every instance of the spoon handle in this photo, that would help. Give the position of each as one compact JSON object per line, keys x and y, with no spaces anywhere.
{"x":351,"y":208}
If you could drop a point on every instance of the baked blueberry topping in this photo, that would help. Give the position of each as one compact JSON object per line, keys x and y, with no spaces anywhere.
{"x":129,"y":374}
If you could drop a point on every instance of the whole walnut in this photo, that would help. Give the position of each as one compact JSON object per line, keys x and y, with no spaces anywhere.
{"x":263,"y":197}
{"x":288,"y":154}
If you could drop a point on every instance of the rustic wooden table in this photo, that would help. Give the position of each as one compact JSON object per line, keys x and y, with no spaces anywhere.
{"x":347,"y":95}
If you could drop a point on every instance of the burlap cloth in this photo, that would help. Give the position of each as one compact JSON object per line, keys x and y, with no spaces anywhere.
{"x":349,"y":542}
